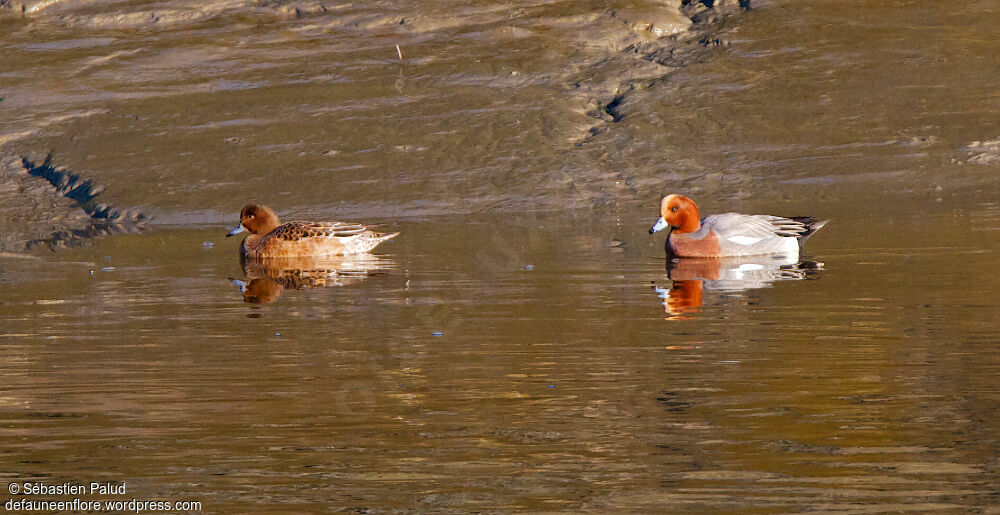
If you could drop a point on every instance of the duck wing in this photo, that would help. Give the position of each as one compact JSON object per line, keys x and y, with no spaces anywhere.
{"x":735,"y":225}
{"x":294,"y":231}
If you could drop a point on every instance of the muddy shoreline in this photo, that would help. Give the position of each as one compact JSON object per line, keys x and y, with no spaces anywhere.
{"x":623,"y":47}
{"x":620,"y":50}
{"x":42,"y":206}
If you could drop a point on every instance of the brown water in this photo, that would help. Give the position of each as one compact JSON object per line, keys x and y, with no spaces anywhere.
{"x":521,"y":345}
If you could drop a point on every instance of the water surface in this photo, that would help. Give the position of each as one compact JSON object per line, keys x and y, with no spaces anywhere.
{"x":517,"y":348}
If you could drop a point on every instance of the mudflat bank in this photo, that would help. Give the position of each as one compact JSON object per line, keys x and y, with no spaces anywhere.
{"x":121,"y":82}
{"x":43,"y":206}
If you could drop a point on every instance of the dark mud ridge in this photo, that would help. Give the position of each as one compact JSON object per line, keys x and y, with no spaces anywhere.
{"x":48,"y":207}
{"x":660,"y":54}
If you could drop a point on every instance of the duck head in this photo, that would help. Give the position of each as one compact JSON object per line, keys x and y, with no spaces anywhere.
{"x":256,"y":219}
{"x":679,"y":213}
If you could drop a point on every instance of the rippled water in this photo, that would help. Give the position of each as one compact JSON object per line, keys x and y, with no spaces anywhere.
{"x":523,"y":344}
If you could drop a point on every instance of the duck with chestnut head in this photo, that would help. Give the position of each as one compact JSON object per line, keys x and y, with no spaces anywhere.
{"x":730,"y":234}
{"x":269,"y":238}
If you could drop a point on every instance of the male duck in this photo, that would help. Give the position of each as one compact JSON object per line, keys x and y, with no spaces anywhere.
{"x":730,"y":234}
{"x":269,"y":238}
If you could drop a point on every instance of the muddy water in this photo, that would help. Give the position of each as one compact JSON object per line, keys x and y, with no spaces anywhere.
{"x":523,"y":344}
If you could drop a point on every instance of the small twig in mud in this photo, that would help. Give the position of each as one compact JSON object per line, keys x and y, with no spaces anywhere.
{"x":399,"y":52}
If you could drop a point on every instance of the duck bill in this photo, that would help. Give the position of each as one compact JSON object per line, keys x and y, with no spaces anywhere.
{"x":660,"y":225}
{"x":237,"y":230}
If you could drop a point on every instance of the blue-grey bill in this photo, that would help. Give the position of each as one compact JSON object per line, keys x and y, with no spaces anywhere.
{"x":237,"y":230}
{"x":660,"y":225}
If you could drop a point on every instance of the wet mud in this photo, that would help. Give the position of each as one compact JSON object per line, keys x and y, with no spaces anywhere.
{"x":564,"y":72}
{"x":48,"y":207}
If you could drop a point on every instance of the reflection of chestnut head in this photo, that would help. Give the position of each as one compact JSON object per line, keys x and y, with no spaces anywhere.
{"x":261,"y":290}
{"x":684,"y":297}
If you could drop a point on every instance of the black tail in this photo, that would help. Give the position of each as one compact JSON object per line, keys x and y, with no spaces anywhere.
{"x":812,"y":225}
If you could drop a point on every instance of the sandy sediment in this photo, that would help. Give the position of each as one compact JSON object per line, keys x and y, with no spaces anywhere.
{"x":107,"y":15}
{"x":984,"y":152}
{"x":28,"y":6}
{"x":46,"y":122}
{"x":43,"y":206}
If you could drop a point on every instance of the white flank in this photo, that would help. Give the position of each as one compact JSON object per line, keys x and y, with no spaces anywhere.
{"x":791,"y":246}
{"x":744,"y":240}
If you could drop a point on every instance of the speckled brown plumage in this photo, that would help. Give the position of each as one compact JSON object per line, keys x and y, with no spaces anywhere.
{"x":293,"y":231}
{"x":269,"y":238}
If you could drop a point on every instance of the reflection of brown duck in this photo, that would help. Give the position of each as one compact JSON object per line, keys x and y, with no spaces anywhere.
{"x":260,"y":290}
{"x":691,"y":276}
{"x":267,"y":278}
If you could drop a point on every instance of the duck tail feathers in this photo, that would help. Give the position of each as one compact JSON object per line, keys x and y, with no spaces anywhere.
{"x":811,"y":224}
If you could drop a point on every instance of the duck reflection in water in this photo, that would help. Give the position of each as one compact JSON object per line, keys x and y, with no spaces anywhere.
{"x":691,"y":276}
{"x":266,"y":279}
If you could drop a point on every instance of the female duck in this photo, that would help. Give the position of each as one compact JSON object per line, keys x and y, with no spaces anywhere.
{"x":730,"y":234}
{"x":269,"y":238}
